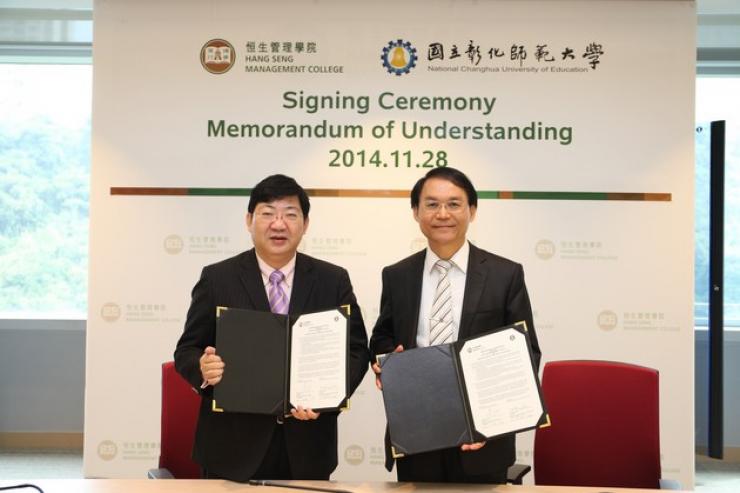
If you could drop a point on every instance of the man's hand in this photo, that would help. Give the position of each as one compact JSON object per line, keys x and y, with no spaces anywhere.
{"x":304,"y":414}
{"x":377,"y":370}
{"x":470,"y":447}
{"x":211,"y":366}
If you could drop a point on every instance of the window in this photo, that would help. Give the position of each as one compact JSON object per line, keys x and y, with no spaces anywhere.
{"x":718,"y":99}
{"x":44,"y":187}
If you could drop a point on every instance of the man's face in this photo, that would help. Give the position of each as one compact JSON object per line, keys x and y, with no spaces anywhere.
{"x":443,"y":213}
{"x":277,"y":228}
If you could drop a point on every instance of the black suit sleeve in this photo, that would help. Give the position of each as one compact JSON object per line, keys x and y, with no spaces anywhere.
{"x":200,"y":332}
{"x":358,"y":353}
{"x":518,"y":308}
{"x":383,"y":337}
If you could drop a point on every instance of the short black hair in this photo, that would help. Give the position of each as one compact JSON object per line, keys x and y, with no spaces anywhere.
{"x":453,"y":175}
{"x":276,"y":187}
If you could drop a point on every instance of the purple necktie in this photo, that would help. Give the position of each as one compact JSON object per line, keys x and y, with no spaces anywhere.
{"x":277,"y":297}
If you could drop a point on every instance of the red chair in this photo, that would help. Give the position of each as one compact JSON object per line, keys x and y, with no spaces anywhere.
{"x":180,"y":406}
{"x":605,"y":426}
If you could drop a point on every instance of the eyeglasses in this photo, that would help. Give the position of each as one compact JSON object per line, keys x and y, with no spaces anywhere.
{"x":452,"y":207}
{"x":269,"y":215}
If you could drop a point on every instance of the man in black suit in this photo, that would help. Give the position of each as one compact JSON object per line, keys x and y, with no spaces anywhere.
{"x":250,"y":446}
{"x":485,"y":292}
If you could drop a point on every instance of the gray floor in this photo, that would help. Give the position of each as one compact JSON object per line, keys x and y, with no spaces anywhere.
{"x":716,"y":476}
{"x":712,"y":476}
{"x":40,"y":464}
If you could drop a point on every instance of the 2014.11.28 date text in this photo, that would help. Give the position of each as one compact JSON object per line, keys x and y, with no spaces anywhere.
{"x":348,"y":158}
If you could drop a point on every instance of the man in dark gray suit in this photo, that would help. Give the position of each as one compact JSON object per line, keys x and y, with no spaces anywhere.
{"x":449,"y":291}
{"x":270,"y":277}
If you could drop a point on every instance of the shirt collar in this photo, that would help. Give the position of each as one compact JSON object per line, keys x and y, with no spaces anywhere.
{"x":286,"y":269}
{"x":458,"y":260}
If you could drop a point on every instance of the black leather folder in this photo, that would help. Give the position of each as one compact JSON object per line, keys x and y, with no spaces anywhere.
{"x":255,"y":347}
{"x":426,"y":399}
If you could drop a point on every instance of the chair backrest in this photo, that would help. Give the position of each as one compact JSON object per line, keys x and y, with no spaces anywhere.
{"x":605,"y":426}
{"x":179,"y":416}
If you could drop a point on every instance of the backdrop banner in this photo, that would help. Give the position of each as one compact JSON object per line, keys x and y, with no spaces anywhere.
{"x":573,"y":119}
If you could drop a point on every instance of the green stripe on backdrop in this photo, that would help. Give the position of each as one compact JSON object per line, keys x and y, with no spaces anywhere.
{"x":336,"y":192}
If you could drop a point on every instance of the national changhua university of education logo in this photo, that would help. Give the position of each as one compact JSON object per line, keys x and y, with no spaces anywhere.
{"x":399,"y":57}
{"x":217,"y":56}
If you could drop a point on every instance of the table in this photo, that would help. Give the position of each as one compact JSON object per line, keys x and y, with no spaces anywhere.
{"x":222,"y":486}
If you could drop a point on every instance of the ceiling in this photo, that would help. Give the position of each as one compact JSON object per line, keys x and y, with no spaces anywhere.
{"x":718,"y":21}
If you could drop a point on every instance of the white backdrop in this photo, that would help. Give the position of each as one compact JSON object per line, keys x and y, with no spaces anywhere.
{"x":608,"y":278}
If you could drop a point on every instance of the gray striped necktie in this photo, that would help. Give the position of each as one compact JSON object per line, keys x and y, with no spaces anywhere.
{"x":440,"y":322}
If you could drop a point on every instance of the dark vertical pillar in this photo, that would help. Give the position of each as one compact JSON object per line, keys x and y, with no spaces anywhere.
{"x":716,"y":289}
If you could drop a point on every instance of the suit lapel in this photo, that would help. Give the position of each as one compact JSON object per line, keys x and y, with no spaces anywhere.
{"x":252,"y":280}
{"x":303,"y":281}
{"x":415,"y":278}
{"x":475,"y":282}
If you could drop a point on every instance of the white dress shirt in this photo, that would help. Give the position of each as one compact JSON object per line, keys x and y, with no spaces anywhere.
{"x":288,"y":271}
{"x":430,"y":278}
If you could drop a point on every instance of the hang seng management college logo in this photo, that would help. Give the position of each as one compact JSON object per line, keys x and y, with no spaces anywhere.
{"x":217,"y":56}
{"x":399,"y":57}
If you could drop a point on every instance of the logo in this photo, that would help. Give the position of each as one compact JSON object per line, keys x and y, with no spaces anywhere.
{"x":217,"y":56}
{"x":399,"y":57}
{"x":354,"y":455}
{"x":110,"y":312}
{"x":607,"y":320}
{"x":173,"y":244}
{"x":544,"y":249}
{"x":107,"y":450}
